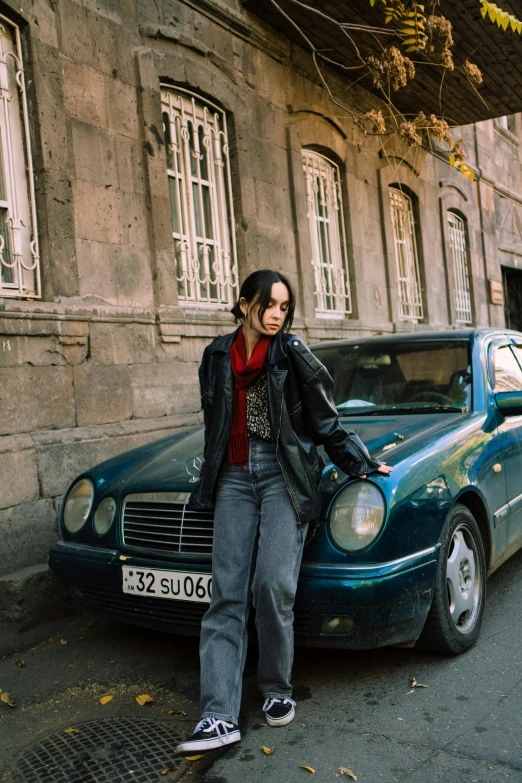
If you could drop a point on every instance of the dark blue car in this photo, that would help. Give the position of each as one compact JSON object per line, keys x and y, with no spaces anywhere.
{"x":392,"y":560}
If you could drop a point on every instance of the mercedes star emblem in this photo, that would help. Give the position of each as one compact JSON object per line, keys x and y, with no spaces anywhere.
{"x":194,"y":468}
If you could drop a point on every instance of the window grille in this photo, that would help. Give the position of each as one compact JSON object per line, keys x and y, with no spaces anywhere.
{"x":19,"y":256}
{"x":457,"y":240}
{"x":201,"y":199}
{"x":410,"y":298}
{"x":325,"y":216}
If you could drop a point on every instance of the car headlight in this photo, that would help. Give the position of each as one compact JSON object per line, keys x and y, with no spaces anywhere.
{"x":78,"y":505}
{"x":104,"y":516}
{"x":357,"y":516}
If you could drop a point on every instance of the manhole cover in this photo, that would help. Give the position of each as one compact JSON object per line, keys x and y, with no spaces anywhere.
{"x":111,"y":750}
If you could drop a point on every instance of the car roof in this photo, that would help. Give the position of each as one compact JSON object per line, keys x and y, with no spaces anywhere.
{"x":479,"y":333}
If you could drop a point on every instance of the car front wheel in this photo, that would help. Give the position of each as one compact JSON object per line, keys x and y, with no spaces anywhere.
{"x":454,"y":620}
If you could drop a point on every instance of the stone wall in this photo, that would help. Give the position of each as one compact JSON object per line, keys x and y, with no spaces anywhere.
{"x":108,"y":358}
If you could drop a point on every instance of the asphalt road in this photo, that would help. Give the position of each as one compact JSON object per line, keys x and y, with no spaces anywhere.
{"x":355,"y":709}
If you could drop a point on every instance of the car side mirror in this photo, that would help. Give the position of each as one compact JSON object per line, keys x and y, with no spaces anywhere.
{"x":509,"y":403}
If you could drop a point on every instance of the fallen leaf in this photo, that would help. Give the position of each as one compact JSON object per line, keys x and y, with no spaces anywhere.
{"x":193,"y":758}
{"x":267,"y":751}
{"x":6,"y":698}
{"x":105,"y":699}
{"x":308,"y":769}
{"x":126,"y":557}
{"x":400,"y":718}
{"x":412,"y":691}
{"x":71,"y":731}
{"x":32,"y":648}
{"x":18,"y":662}
{"x":144,"y":698}
{"x":166,"y":770}
{"x":177,"y":712}
{"x":80,"y":638}
{"x":415,"y":684}
{"x":347,"y":772}
{"x":62,"y":641}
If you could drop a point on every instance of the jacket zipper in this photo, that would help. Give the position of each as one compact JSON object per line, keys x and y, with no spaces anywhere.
{"x":299,"y":525}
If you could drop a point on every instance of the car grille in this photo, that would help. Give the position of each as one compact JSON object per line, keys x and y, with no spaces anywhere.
{"x":162,"y":522}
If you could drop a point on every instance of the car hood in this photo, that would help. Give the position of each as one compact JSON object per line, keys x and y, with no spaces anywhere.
{"x":164,"y":464}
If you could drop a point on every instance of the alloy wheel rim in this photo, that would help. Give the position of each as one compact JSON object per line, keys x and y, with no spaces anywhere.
{"x":464,"y":579}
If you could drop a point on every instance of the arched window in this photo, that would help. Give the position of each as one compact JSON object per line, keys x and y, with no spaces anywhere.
{"x":200,"y":198}
{"x":406,"y":257}
{"x":459,"y":251}
{"x":325,"y":217}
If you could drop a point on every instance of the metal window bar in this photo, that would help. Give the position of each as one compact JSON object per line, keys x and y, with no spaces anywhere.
{"x":327,"y":233}
{"x":19,"y":254}
{"x":457,"y":239}
{"x":201,"y":199}
{"x":410,"y":297}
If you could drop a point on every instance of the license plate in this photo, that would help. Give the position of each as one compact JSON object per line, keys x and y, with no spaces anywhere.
{"x":178,"y":585}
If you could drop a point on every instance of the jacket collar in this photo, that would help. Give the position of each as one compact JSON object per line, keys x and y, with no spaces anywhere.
{"x":276,"y":349}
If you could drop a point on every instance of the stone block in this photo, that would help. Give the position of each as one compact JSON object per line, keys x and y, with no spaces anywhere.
{"x":84,"y":93}
{"x":33,"y":398}
{"x":75,"y":32}
{"x":42,"y":22}
{"x":97,"y":212}
{"x":103,"y":393}
{"x":163,"y":389}
{"x":18,"y":472}
{"x":40,"y":351}
{"x":133,"y":277}
{"x":27,"y":531}
{"x":110,"y":9}
{"x":31,"y":596}
{"x":121,"y":343}
{"x":94,"y":155}
{"x":96,"y":261}
{"x":122,"y":105}
{"x":134,"y":221}
{"x":129,"y":161}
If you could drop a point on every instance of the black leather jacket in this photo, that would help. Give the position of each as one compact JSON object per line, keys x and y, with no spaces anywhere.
{"x":302,"y":416}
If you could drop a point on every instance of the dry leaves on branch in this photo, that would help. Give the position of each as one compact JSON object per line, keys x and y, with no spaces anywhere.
{"x":177,"y":712}
{"x":347,"y":772}
{"x":106,"y":699}
{"x":6,"y":698}
{"x":18,"y":662}
{"x":267,"y":751}
{"x":415,"y":684}
{"x":308,"y":769}
{"x":144,"y":699}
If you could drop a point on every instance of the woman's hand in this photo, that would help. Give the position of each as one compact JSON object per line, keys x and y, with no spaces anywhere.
{"x":383,"y":468}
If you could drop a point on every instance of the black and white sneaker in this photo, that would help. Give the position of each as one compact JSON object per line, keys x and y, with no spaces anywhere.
{"x":279,"y":712}
{"x":210,"y":733}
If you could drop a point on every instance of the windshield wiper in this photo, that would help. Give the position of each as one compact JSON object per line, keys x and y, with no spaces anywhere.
{"x":403,"y":409}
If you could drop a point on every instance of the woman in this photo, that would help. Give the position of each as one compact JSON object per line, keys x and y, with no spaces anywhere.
{"x":267,"y":404}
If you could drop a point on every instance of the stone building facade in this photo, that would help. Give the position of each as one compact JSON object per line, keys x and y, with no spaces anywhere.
{"x":154,"y":152}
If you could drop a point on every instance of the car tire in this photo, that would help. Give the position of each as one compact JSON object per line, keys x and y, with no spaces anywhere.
{"x":454,"y":620}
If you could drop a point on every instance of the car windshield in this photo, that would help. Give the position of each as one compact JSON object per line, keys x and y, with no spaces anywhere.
{"x":402,"y":376}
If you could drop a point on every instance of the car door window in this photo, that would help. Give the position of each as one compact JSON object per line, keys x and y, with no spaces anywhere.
{"x":507,"y":372}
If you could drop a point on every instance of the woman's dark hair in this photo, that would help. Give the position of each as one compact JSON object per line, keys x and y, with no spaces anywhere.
{"x":257,"y":289}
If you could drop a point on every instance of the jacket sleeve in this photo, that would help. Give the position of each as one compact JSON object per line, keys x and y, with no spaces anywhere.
{"x":205,"y":402}
{"x":344,"y":447}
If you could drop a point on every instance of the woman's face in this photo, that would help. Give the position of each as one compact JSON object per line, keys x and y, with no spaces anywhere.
{"x":275,"y":314}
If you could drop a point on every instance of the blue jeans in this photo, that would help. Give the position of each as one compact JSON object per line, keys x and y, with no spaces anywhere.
{"x":256,"y":558}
